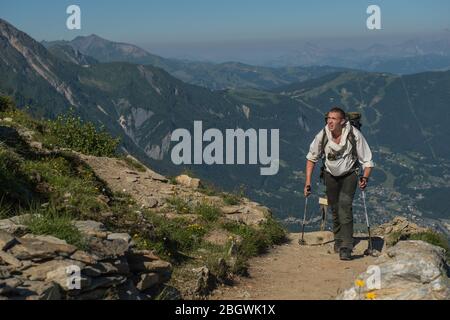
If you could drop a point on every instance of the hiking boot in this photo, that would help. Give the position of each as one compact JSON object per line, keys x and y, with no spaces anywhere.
{"x":337,"y":245}
{"x":345,"y":254}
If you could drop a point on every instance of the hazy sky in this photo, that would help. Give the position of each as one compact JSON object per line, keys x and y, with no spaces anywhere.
{"x":210,"y":28}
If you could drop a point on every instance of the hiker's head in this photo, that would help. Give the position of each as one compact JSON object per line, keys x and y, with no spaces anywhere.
{"x":336,"y":119}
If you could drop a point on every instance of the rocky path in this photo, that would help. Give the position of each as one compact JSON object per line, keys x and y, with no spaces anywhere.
{"x":294,"y":272}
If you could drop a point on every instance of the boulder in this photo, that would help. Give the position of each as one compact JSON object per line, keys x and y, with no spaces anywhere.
{"x":410,"y":270}
{"x":187,"y":181}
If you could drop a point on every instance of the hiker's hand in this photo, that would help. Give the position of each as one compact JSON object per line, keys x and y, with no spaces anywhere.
{"x":363,"y":182}
{"x":307,"y":190}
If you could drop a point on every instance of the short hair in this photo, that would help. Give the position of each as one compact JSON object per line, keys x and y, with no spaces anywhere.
{"x":338,"y":110}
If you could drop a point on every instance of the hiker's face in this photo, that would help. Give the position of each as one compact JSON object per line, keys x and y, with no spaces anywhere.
{"x":335,"y":122}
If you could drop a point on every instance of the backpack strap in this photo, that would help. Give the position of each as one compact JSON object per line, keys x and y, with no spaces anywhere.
{"x":351,"y":138}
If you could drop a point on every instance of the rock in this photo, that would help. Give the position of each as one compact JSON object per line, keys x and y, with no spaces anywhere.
{"x":149,"y":263}
{"x":7,"y":119}
{"x":36,"y":145}
{"x":9,"y":285}
{"x":205,"y":281}
{"x":398,"y":229}
{"x":62,"y":277}
{"x":49,"y":239}
{"x":104,"y":282}
{"x":6,"y":240}
{"x":248,"y":214}
{"x":106,"y":249}
{"x":11,"y":227}
{"x":121,"y":236}
{"x":410,"y":270}
{"x":318,"y":238}
{"x":5,"y":272}
{"x":37,"y":290}
{"x":128,"y":291}
{"x":187,"y":181}
{"x":149,"y":202}
{"x":10,"y":259}
{"x":106,"y":268}
{"x":146,"y":281}
{"x":34,"y":249}
{"x":84,"y":257}
{"x":91,"y":228}
{"x":132,"y":179}
{"x":39,"y":272}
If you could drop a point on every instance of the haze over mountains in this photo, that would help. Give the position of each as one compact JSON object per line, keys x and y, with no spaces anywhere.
{"x":143,"y":98}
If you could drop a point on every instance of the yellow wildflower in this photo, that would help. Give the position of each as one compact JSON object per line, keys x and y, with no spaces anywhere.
{"x":359,"y":283}
{"x":371,"y":295}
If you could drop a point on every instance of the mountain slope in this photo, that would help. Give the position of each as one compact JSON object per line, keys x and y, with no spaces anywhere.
{"x":209,"y":75}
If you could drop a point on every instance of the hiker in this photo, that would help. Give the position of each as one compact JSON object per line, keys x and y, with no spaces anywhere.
{"x":343,"y":148}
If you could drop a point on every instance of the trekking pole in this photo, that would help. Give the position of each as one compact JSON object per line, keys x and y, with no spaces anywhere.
{"x":369,"y":251}
{"x":302,"y":241}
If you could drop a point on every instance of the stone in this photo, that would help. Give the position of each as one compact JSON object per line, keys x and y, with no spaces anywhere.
{"x":6,"y":240}
{"x":318,"y":238}
{"x":91,"y":228}
{"x":8,"y":286}
{"x":37,"y":290}
{"x":62,"y":278}
{"x":9,"y":226}
{"x":104,"y":282}
{"x":149,"y":202}
{"x":187,"y":181}
{"x":410,"y":270}
{"x":251,"y":215}
{"x":108,"y":249}
{"x":205,"y":281}
{"x":121,"y":236}
{"x":5,"y":272}
{"x":148,"y":263}
{"x":128,"y":291}
{"x":35,"y":249}
{"x":146,"y":281}
{"x":49,"y":239}
{"x":10,"y":259}
{"x":40,"y":271}
{"x":84,"y":257}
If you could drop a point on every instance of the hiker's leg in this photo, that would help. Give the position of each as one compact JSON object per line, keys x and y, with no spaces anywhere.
{"x":332,"y":190}
{"x":349,"y":184}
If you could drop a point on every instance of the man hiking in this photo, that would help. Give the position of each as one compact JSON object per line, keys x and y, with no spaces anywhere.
{"x":343,"y":148}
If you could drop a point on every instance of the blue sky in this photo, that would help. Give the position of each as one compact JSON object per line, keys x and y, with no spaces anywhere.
{"x":208,"y":23}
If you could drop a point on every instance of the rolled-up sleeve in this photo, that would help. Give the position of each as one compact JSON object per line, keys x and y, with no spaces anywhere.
{"x":364,"y":152}
{"x":314,"y":153}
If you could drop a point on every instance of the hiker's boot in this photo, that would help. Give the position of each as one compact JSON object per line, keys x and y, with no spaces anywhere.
{"x":345,"y":254}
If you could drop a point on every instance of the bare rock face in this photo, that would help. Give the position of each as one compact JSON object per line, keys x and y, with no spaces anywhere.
{"x":410,"y":270}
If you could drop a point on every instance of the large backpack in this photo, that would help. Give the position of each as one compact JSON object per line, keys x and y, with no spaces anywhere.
{"x":355,"y":120}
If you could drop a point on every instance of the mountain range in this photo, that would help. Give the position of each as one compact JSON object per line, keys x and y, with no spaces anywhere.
{"x":405,"y":119}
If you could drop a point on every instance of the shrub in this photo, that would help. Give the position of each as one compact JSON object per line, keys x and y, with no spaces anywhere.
{"x":69,"y":131}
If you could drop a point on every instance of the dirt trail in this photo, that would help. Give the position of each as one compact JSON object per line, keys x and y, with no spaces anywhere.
{"x":294,"y":272}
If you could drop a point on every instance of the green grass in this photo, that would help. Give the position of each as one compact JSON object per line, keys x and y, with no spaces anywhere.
{"x":208,"y":212}
{"x":256,"y":241}
{"x":54,"y":223}
{"x":180,"y":205}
